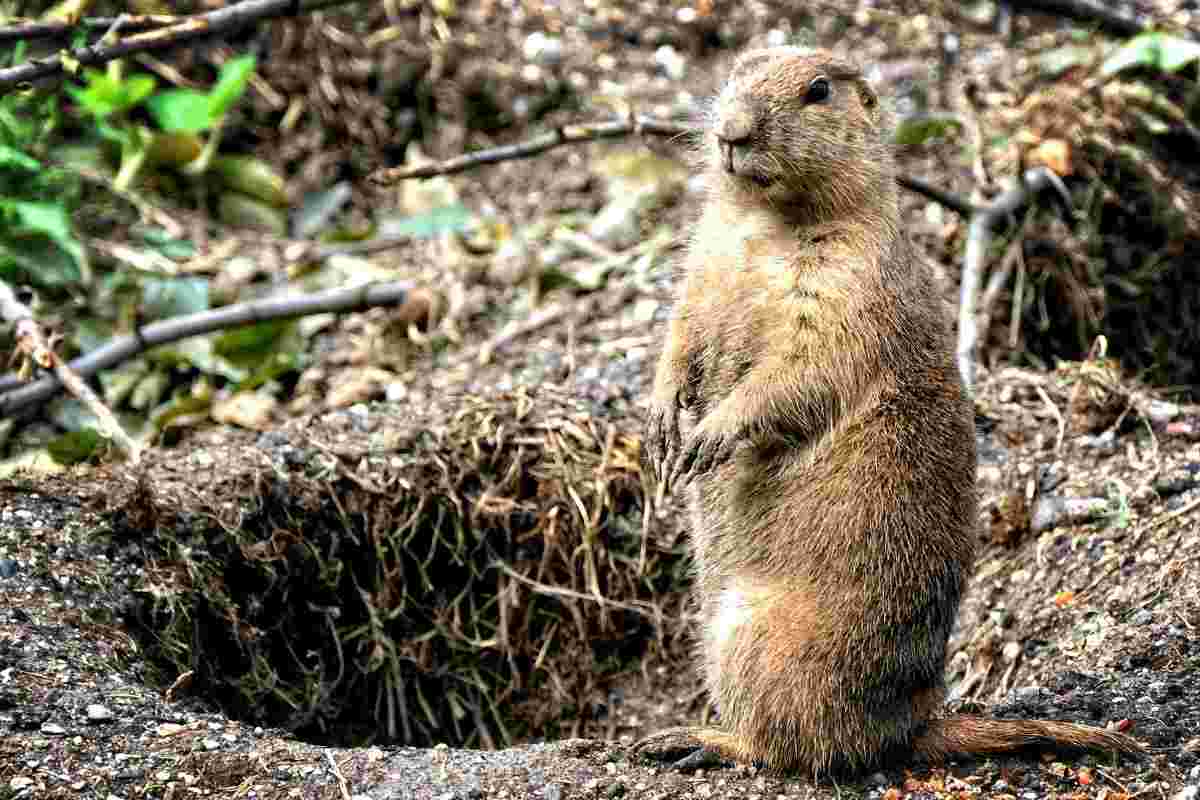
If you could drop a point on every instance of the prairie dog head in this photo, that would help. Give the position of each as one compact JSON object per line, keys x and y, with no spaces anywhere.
{"x":798,"y":126}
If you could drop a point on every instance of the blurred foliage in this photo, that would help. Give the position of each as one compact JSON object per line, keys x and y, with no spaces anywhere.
{"x":73,"y":166}
{"x":37,"y":240}
{"x":1156,"y":51}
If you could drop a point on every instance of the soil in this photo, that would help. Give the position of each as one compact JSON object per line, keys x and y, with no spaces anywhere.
{"x":1095,"y":618}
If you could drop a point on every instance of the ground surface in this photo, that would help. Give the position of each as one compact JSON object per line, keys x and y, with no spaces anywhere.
{"x":1100,"y":609}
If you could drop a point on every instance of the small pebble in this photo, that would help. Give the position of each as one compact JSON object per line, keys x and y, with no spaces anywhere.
{"x":672,"y":64}
{"x":1052,"y":511}
{"x":98,"y":713}
{"x":53,"y":729}
{"x":542,"y":49}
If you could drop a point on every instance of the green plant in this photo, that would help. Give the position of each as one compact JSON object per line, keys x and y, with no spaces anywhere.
{"x":181,"y":115}
{"x":1155,"y":50}
{"x":37,"y":241}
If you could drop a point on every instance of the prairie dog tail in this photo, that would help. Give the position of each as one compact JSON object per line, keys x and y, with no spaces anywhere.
{"x":968,"y":735}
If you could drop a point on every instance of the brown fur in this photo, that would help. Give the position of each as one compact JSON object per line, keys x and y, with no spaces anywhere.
{"x":832,"y":458}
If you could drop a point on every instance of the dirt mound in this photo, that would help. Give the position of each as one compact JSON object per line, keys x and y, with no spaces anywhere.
{"x":468,"y":576}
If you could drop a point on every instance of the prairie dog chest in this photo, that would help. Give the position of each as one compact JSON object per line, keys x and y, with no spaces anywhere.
{"x":758,"y":280}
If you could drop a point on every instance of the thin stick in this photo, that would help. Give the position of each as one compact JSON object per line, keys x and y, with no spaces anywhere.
{"x":1086,"y":11}
{"x":984,"y":223}
{"x":996,"y":282}
{"x":633,"y":125}
{"x":15,"y":395}
{"x":221,"y":21}
{"x":946,"y":199}
{"x":343,"y":786}
{"x":27,"y":30}
{"x":1062,"y":424}
{"x":1018,"y":299}
{"x":32,"y":341}
{"x":645,"y":609}
{"x":518,"y":328}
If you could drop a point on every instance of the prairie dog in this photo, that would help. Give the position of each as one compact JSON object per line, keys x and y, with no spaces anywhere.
{"x":832,"y":458}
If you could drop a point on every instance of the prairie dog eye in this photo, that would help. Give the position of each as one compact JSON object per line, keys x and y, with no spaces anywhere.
{"x":818,"y":91}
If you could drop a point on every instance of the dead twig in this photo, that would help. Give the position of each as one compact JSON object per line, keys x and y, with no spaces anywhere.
{"x":26,"y":30}
{"x":984,"y":223}
{"x":186,"y":29}
{"x":950,"y":201}
{"x":579,"y":313}
{"x":1058,"y":417}
{"x":1088,"y":12}
{"x":997,"y":281}
{"x":646,"y":610}
{"x":31,"y":341}
{"x":518,"y":328}
{"x":16,"y":395}
{"x":633,"y":125}
{"x":343,"y":786}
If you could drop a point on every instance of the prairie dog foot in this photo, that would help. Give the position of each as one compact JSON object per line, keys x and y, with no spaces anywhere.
{"x":687,"y":748}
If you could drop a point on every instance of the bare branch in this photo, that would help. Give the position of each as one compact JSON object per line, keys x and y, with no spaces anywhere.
{"x":984,"y":224}
{"x":568,"y":134}
{"x":27,"y":30}
{"x":32,"y":341}
{"x":1087,"y":12}
{"x":15,"y":396}
{"x":223,"y":20}
{"x":946,"y":199}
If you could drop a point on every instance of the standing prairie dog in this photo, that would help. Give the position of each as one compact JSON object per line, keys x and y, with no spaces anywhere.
{"x":832,"y":459}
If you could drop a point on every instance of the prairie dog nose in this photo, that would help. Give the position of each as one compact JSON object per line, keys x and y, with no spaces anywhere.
{"x":733,"y":137}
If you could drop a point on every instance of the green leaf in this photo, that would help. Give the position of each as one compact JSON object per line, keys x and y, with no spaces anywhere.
{"x":12,"y":158}
{"x":149,"y":390}
{"x":104,"y":95}
{"x":1155,"y":50}
{"x":453,"y":217}
{"x":138,"y":88}
{"x":922,"y":128}
{"x":1055,"y":62}
{"x":75,"y":447}
{"x":47,"y":218}
{"x":50,"y":220}
{"x":197,"y":352}
{"x":230,"y":86}
{"x":250,"y":345}
{"x":183,"y":404}
{"x":37,"y":259}
{"x":181,"y":110}
{"x":173,"y":297}
{"x":168,"y":245}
